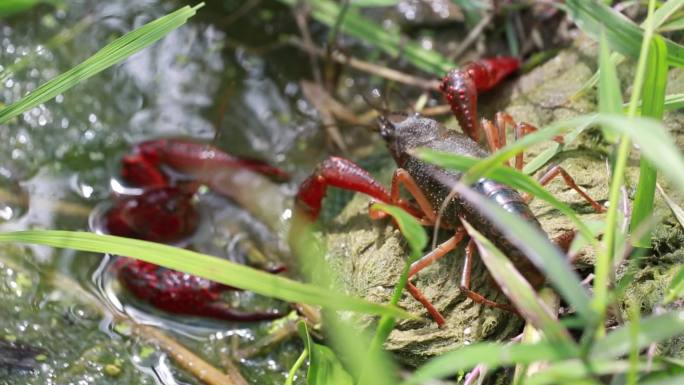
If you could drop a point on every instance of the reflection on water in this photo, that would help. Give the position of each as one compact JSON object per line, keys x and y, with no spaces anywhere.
{"x":57,"y":161}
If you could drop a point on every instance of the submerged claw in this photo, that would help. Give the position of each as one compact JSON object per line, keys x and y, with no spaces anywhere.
{"x":180,"y":293}
{"x":163,"y":214}
{"x":143,"y":167}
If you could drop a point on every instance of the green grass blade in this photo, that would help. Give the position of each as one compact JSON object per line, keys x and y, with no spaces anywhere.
{"x":213,"y":268}
{"x":577,"y":372}
{"x":653,"y":105}
{"x":518,"y":290}
{"x":536,"y":247}
{"x":654,"y":141}
{"x":623,"y":35}
{"x":674,"y":102}
{"x":652,"y":329}
{"x":673,"y":25}
{"x":665,"y":11}
{"x":409,"y":226}
{"x":492,"y":355}
{"x":610,"y":97}
{"x":514,"y":148}
{"x":354,"y":24}
{"x":417,"y":239}
{"x":109,"y":55}
{"x":676,"y":379}
{"x":554,"y":148}
{"x":603,"y":268}
{"x":508,"y":176}
{"x":651,"y":136}
{"x":324,"y":366}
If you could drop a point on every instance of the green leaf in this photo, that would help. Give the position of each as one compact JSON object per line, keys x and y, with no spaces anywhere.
{"x":574,"y":371}
{"x":653,"y":106}
{"x":665,"y":11}
{"x":111,"y":54}
{"x":665,"y":380}
{"x":623,"y":35}
{"x":554,"y":148}
{"x":409,"y":226}
{"x":674,"y":102}
{"x":324,"y":366}
{"x":492,"y":355}
{"x":417,"y":239}
{"x":518,"y":290}
{"x":652,"y":330}
{"x":651,"y":136}
{"x":354,"y":24}
{"x":508,"y":176}
{"x":610,"y":97}
{"x":206,"y":266}
{"x":674,"y":25}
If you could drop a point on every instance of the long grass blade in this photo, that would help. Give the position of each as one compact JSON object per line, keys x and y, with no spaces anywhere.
{"x":623,"y":35}
{"x":610,"y":97}
{"x":652,"y":329}
{"x":109,"y":55}
{"x":653,"y":106}
{"x":537,"y":248}
{"x":508,"y":176}
{"x":354,"y":24}
{"x":417,"y":239}
{"x":492,"y":355}
{"x":324,"y":366}
{"x":206,"y":266}
{"x":518,"y":290}
{"x":577,"y":372}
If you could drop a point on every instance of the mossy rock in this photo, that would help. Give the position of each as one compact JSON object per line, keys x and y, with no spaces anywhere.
{"x":369,"y":255}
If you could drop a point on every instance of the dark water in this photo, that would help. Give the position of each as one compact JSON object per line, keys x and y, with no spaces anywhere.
{"x":205,"y":80}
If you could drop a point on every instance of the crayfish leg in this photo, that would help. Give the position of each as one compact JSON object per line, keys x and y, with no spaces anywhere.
{"x":465,"y":282}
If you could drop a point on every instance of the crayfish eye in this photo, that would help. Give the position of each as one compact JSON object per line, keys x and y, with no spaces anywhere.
{"x":387,"y":128}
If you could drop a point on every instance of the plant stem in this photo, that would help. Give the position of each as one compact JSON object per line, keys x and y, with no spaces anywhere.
{"x":604,"y":262}
{"x":298,"y":364}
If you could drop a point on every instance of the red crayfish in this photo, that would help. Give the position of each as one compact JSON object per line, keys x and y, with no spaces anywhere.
{"x":426,"y":182}
{"x":166,"y":174}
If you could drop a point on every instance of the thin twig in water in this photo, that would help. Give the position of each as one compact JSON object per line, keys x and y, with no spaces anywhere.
{"x":286,"y":331}
{"x":472,"y":36}
{"x":232,"y":370}
{"x":374,"y":69}
{"x":316,"y":95}
{"x":179,"y":353}
{"x":238,"y":13}
{"x":301,"y":15}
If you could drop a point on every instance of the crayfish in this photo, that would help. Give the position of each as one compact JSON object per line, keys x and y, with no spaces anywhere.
{"x":165,"y":174}
{"x":426,"y":183}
